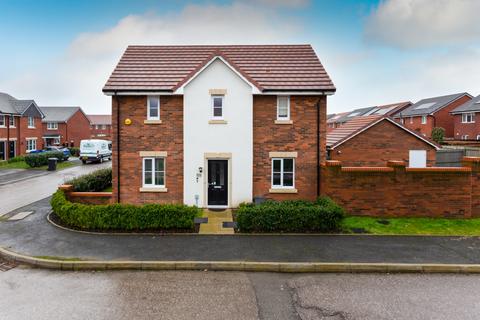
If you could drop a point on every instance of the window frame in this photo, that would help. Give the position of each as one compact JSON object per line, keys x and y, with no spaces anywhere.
{"x":11,"y":125}
{"x":282,"y":172}
{"x":212,"y":100}
{"x":288,"y":108}
{"x":49,"y":127}
{"x":411,"y":120}
{"x":465,"y":137}
{"x":466,"y":115}
{"x":34,"y":144}
{"x":3,"y":122}
{"x":32,"y":124}
{"x":149,"y":117}
{"x":424,"y":119}
{"x":153,"y":185}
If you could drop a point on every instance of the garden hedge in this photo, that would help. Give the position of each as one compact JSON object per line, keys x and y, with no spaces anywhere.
{"x":323,"y":215}
{"x":96,"y":181}
{"x":41,"y":159}
{"x":74,"y":151}
{"x":124,"y":216}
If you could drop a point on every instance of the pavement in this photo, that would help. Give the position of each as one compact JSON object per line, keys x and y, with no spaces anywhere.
{"x":19,"y":188}
{"x":41,"y":294}
{"x":35,"y":236}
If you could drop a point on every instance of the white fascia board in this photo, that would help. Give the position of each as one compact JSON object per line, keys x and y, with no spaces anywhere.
{"x":255,"y":90}
{"x":297,"y":93}
{"x":139,"y":93}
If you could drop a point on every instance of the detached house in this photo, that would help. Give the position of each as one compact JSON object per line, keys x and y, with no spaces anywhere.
{"x":429,"y":113}
{"x":216,"y":126}
{"x":467,"y":120}
{"x":100,"y":126}
{"x":372,"y":140}
{"x":65,"y":126}
{"x":20,"y":126}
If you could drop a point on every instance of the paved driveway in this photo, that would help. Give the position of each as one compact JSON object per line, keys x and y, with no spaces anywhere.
{"x":21,"y":192}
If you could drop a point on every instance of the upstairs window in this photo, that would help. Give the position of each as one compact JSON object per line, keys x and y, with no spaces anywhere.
{"x":31,"y":122}
{"x":153,"y":108}
{"x":424,"y":119}
{"x":2,"y":121}
{"x":52,"y":125}
{"x":154,"y":172}
{"x":283,"y":108}
{"x":217,"y":107}
{"x":468,"y":117}
{"x":11,"y":121}
{"x":283,"y":173}
{"x":411,"y":120}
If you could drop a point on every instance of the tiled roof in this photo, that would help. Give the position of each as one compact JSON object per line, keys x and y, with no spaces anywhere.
{"x":429,"y":106}
{"x":58,"y":114}
{"x":268,"y":67}
{"x":9,"y":104}
{"x":100,"y":118}
{"x":387,"y":110}
{"x":349,"y":128}
{"x":470,"y":106}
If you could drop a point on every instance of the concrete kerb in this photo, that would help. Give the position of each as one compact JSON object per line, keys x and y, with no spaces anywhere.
{"x":250,"y":266}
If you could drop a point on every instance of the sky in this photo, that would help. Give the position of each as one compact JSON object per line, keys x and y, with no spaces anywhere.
{"x":376,"y":51}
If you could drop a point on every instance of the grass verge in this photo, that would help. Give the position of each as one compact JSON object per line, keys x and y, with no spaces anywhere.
{"x":412,"y":226}
{"x":24,"y":165}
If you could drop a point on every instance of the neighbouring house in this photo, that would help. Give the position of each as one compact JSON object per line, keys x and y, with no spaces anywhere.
{"x":65,"y":126}
{"x":100,"y":126}
{"x":430,"y":113}
{"x":216,"y":126}
{"x":337,"y":120}
{"x":20,"y":126}
{"x":372,"y":140}
{"x":467,"y":120}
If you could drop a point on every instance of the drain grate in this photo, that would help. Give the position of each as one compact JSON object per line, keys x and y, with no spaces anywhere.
{"x":229,"y":224}
{"x":5,"y":265}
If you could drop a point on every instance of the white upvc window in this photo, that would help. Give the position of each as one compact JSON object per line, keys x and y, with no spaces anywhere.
{"x":411,"y":120}
{"x":468,"y":117}
{"x":465,"y":137}
{"x":56,"y":141}
{"x":153,"y":108}
{"x":217,"y":106}
{"x":283,"y":173}
{"x":104,"y":127}
{"x":154,"y":172}
{"x":424,"y":119}
{"x":402,"y":121}
{"x":31,"y":122}
{"x":11,"y":120}
{"x":31,"y":144}
{"x":283,"y":108}
{"x":52,"y":125}
{"x":2,"y":121}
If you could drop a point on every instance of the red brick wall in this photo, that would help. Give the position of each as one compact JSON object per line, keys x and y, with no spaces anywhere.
{"x":61,"y":131}
{"x":26,"y":132}
{"x":417,"y":126}
{"x":301,"y":136}
{"x":445,"y":120}
{"x":397,"y":191}
{"x":104,"y":134}
{"x":380,"y":143}
{"x":167,"y":136}
{"x":470,"y":129}
{"x":78,"y":128}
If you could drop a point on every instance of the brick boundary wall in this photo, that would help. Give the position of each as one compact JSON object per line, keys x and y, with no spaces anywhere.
{"x":398,"y":191}
{"x":86,"y":197}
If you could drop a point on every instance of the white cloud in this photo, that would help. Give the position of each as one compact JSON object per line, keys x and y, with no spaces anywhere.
{"x":423,"y":23}
{"x":77,"y":77}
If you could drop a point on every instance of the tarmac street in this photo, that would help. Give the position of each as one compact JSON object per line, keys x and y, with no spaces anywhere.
{"x":42,"y":294}
{"x":28,"y":186}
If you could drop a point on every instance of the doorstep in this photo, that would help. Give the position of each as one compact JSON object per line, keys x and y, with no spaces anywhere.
{"x":215,"y":222}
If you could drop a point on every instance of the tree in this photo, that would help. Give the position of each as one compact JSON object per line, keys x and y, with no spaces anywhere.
{"x":438,"y":134}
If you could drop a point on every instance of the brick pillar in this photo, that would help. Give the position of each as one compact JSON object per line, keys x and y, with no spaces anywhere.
{"x":330,"y":169}
{"x":474,"y":164}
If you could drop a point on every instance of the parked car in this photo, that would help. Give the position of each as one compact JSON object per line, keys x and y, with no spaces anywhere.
{"x":95,"y":150}
{"x":65,"y":151}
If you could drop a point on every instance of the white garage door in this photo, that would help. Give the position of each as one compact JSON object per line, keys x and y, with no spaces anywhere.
{"x":417,"y":159}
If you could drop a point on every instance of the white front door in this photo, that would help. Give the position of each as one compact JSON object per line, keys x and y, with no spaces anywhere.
{"x":417,"y":159}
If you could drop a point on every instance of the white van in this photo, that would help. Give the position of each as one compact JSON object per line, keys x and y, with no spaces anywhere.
{"x":95,"y":150}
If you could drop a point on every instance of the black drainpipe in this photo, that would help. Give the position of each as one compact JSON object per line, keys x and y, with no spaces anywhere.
{"x":318,"y":148}
{"x":118,"y":147}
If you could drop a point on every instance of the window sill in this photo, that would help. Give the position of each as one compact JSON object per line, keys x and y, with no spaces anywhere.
{"x":283,"y":190}
{"x":31,"y":127}
{"x":283,"y":121}
{"x":151,"y":122}
{"x":151,"y":189}
{"x":217,"y":122}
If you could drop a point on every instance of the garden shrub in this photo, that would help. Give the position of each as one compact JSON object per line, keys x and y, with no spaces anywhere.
{"x":438,"y":134}
{"x":41,"y":159}
{"x":96,"y":181}
{"x":74,"y":151}
{"x":16,"y":159}
{"x":124,"y":216}
{"x":323,"y":215}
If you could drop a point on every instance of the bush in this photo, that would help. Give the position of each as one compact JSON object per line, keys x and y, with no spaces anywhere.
{"x":123,"y":216}
{"x":96,"y":181}
{"x":438,"y":134}
{"x":74,"y":151}
{"x":41,"y":159}
{"x":324,"y":215}
{"x":16,"y":159}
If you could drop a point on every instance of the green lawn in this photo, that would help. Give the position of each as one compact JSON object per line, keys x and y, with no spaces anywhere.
{"x":24,"y":165}
{"x":412,"y":226}
{"x":108,"y":189}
